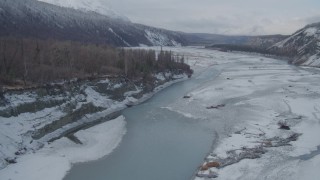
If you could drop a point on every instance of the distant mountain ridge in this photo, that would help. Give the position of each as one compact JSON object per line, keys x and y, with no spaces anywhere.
{"x":301,"y":48}
{"x":214,"y":39}
{"x":303,"y":45}
{"x":93,"y":22}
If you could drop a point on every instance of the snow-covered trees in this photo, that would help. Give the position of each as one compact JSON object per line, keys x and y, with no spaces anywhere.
{"x":35,"y":61}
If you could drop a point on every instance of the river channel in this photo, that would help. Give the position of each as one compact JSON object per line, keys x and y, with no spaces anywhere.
{"x":160,"y":144}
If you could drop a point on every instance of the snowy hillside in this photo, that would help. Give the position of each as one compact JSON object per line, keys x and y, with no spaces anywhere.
{"x":98,"y":6}
{"x":159,"y":38}
{"x":304,"y":44}
{"x":265,"y":41}
{"x":32,"y":18}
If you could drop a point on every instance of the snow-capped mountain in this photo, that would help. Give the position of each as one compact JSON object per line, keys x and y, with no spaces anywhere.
{"x":303,"y":46}
{"x":32,"y":18}
{"x":92,"y":21}
{"x":265,"y":41}
{"x":98,"y":6}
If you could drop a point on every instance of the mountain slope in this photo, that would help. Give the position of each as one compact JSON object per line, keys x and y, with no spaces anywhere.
{"x":98,"y":6}
{"x":265,"y":41}
{"x":30,"y":18}
{"x":94,"y":22}
{"x":304,"y":46}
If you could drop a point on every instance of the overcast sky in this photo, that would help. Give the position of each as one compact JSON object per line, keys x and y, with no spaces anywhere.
{"x":248,"y":17}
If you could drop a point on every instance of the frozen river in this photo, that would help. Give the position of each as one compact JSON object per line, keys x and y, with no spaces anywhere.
{"x":159,"y":143}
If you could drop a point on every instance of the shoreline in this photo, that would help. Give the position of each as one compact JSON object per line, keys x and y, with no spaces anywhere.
{"x":55,"y":159}
{"x":261,"y":136}
{"x":117,"y":112}
{"x":112,"y":115}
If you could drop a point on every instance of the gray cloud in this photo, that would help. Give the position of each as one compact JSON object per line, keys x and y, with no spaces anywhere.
{"x":313,"y":19}
{"x":248,"y":17}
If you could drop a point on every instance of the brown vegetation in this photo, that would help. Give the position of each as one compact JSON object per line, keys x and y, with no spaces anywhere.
{"x":33,"y":61}
{"x":209,"y":165}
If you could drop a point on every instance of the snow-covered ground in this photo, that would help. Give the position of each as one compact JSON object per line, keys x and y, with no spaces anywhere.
{"x":54,"y":160}
{"x":255,"y":94}
{"x":16,"y":131}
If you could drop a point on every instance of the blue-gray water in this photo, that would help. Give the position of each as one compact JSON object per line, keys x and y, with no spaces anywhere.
{"x":311,"y":155}
{"x":159,"y":144}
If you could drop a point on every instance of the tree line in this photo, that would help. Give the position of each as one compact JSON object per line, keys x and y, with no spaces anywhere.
{"x":33,"y":61}
{"x":286,"y":52}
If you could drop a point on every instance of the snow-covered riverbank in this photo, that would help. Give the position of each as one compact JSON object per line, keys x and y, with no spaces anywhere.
{"x":257,"y":99}
{"x":263,"y":98}
{"x":30,"y":121}
{"x":54,"y":160}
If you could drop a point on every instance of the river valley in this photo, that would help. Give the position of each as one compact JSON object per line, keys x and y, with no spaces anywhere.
{"x":232,"y":105}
